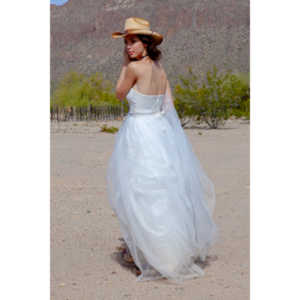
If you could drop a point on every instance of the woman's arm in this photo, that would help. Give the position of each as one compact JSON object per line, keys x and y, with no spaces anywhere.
{"x":127,"y":77}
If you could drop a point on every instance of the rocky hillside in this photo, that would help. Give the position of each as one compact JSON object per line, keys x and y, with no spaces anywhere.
{"x":196,"y":33}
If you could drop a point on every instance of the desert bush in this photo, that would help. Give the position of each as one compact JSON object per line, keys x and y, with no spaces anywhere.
{"x":241,"y":106}
{"x":91,"y":96}
{"x":79,"y":90}
{"x":185,"y":96}
{"x":219,"y":96}
{"x":105,"y":128}
{"x":216,"y":97}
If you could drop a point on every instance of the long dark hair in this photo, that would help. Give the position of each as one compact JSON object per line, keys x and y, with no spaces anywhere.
{"x":153,"y":52}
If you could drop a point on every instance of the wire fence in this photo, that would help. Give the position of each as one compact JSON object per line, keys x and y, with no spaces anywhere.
{"x":91,"y":112}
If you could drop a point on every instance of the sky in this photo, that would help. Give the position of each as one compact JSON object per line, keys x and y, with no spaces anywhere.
{"x":58,"y":2}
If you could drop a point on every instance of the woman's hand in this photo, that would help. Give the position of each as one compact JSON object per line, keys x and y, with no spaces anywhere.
{"x":126,"y":57}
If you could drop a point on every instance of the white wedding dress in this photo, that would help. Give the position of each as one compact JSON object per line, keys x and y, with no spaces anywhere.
{"x":159,"y":191}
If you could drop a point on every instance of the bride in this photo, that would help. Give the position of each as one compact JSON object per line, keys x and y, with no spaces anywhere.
{"x":156,"y":186}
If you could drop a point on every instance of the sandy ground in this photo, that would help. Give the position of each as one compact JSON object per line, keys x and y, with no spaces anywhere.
{"x":85,"y":233}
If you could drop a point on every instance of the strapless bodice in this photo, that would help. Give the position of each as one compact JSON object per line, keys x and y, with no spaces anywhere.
{"x":144,"y":104}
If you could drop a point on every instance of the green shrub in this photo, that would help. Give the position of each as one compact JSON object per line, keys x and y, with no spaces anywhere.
{"x":184,"y":97}
{"x":79,"y":90}
{"x":215,"y":100}
{"x":105,"y":128}
{"x":241,"y":106}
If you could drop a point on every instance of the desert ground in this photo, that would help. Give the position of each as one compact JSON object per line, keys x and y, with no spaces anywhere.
{"x":85,"y":234}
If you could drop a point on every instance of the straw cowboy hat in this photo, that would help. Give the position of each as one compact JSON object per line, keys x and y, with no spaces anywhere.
{"x":138,"y":26}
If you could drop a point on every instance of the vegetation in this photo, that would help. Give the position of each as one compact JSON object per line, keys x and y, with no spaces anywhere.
{"x":105,"y":128}
{"x":219,"y":97}
{"x":78,"y":90}
{"x":211,"y":99}
{"x":242,"y":106}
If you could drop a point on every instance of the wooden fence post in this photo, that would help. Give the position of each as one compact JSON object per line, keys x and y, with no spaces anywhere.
{"x":74,"y":113}
{"x":89,"y":111}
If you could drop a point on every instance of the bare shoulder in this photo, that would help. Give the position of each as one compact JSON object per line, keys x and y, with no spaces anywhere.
{"x":140,"y":67}
{"x":136,"y":66}
{"x":132,"y":69}
{"x":132,"y":65}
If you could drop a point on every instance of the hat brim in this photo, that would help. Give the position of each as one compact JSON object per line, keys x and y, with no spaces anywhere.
{"x":157,"y":37}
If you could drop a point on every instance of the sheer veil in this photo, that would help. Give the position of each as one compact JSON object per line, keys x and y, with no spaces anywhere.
{"x":192,"y":164}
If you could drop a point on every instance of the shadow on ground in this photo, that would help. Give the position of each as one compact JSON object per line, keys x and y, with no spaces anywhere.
{"x":123,"y":257}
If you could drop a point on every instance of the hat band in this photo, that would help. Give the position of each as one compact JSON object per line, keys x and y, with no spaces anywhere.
{"x":134,"y":29}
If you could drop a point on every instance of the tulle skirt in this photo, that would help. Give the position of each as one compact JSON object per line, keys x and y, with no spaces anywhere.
{"x":162,"y":197}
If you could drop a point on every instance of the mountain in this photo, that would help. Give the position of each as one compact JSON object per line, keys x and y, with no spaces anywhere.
{"x":196,"y":33}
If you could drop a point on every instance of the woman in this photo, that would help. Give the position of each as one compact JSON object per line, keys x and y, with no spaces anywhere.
{"x":156,"y":185}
